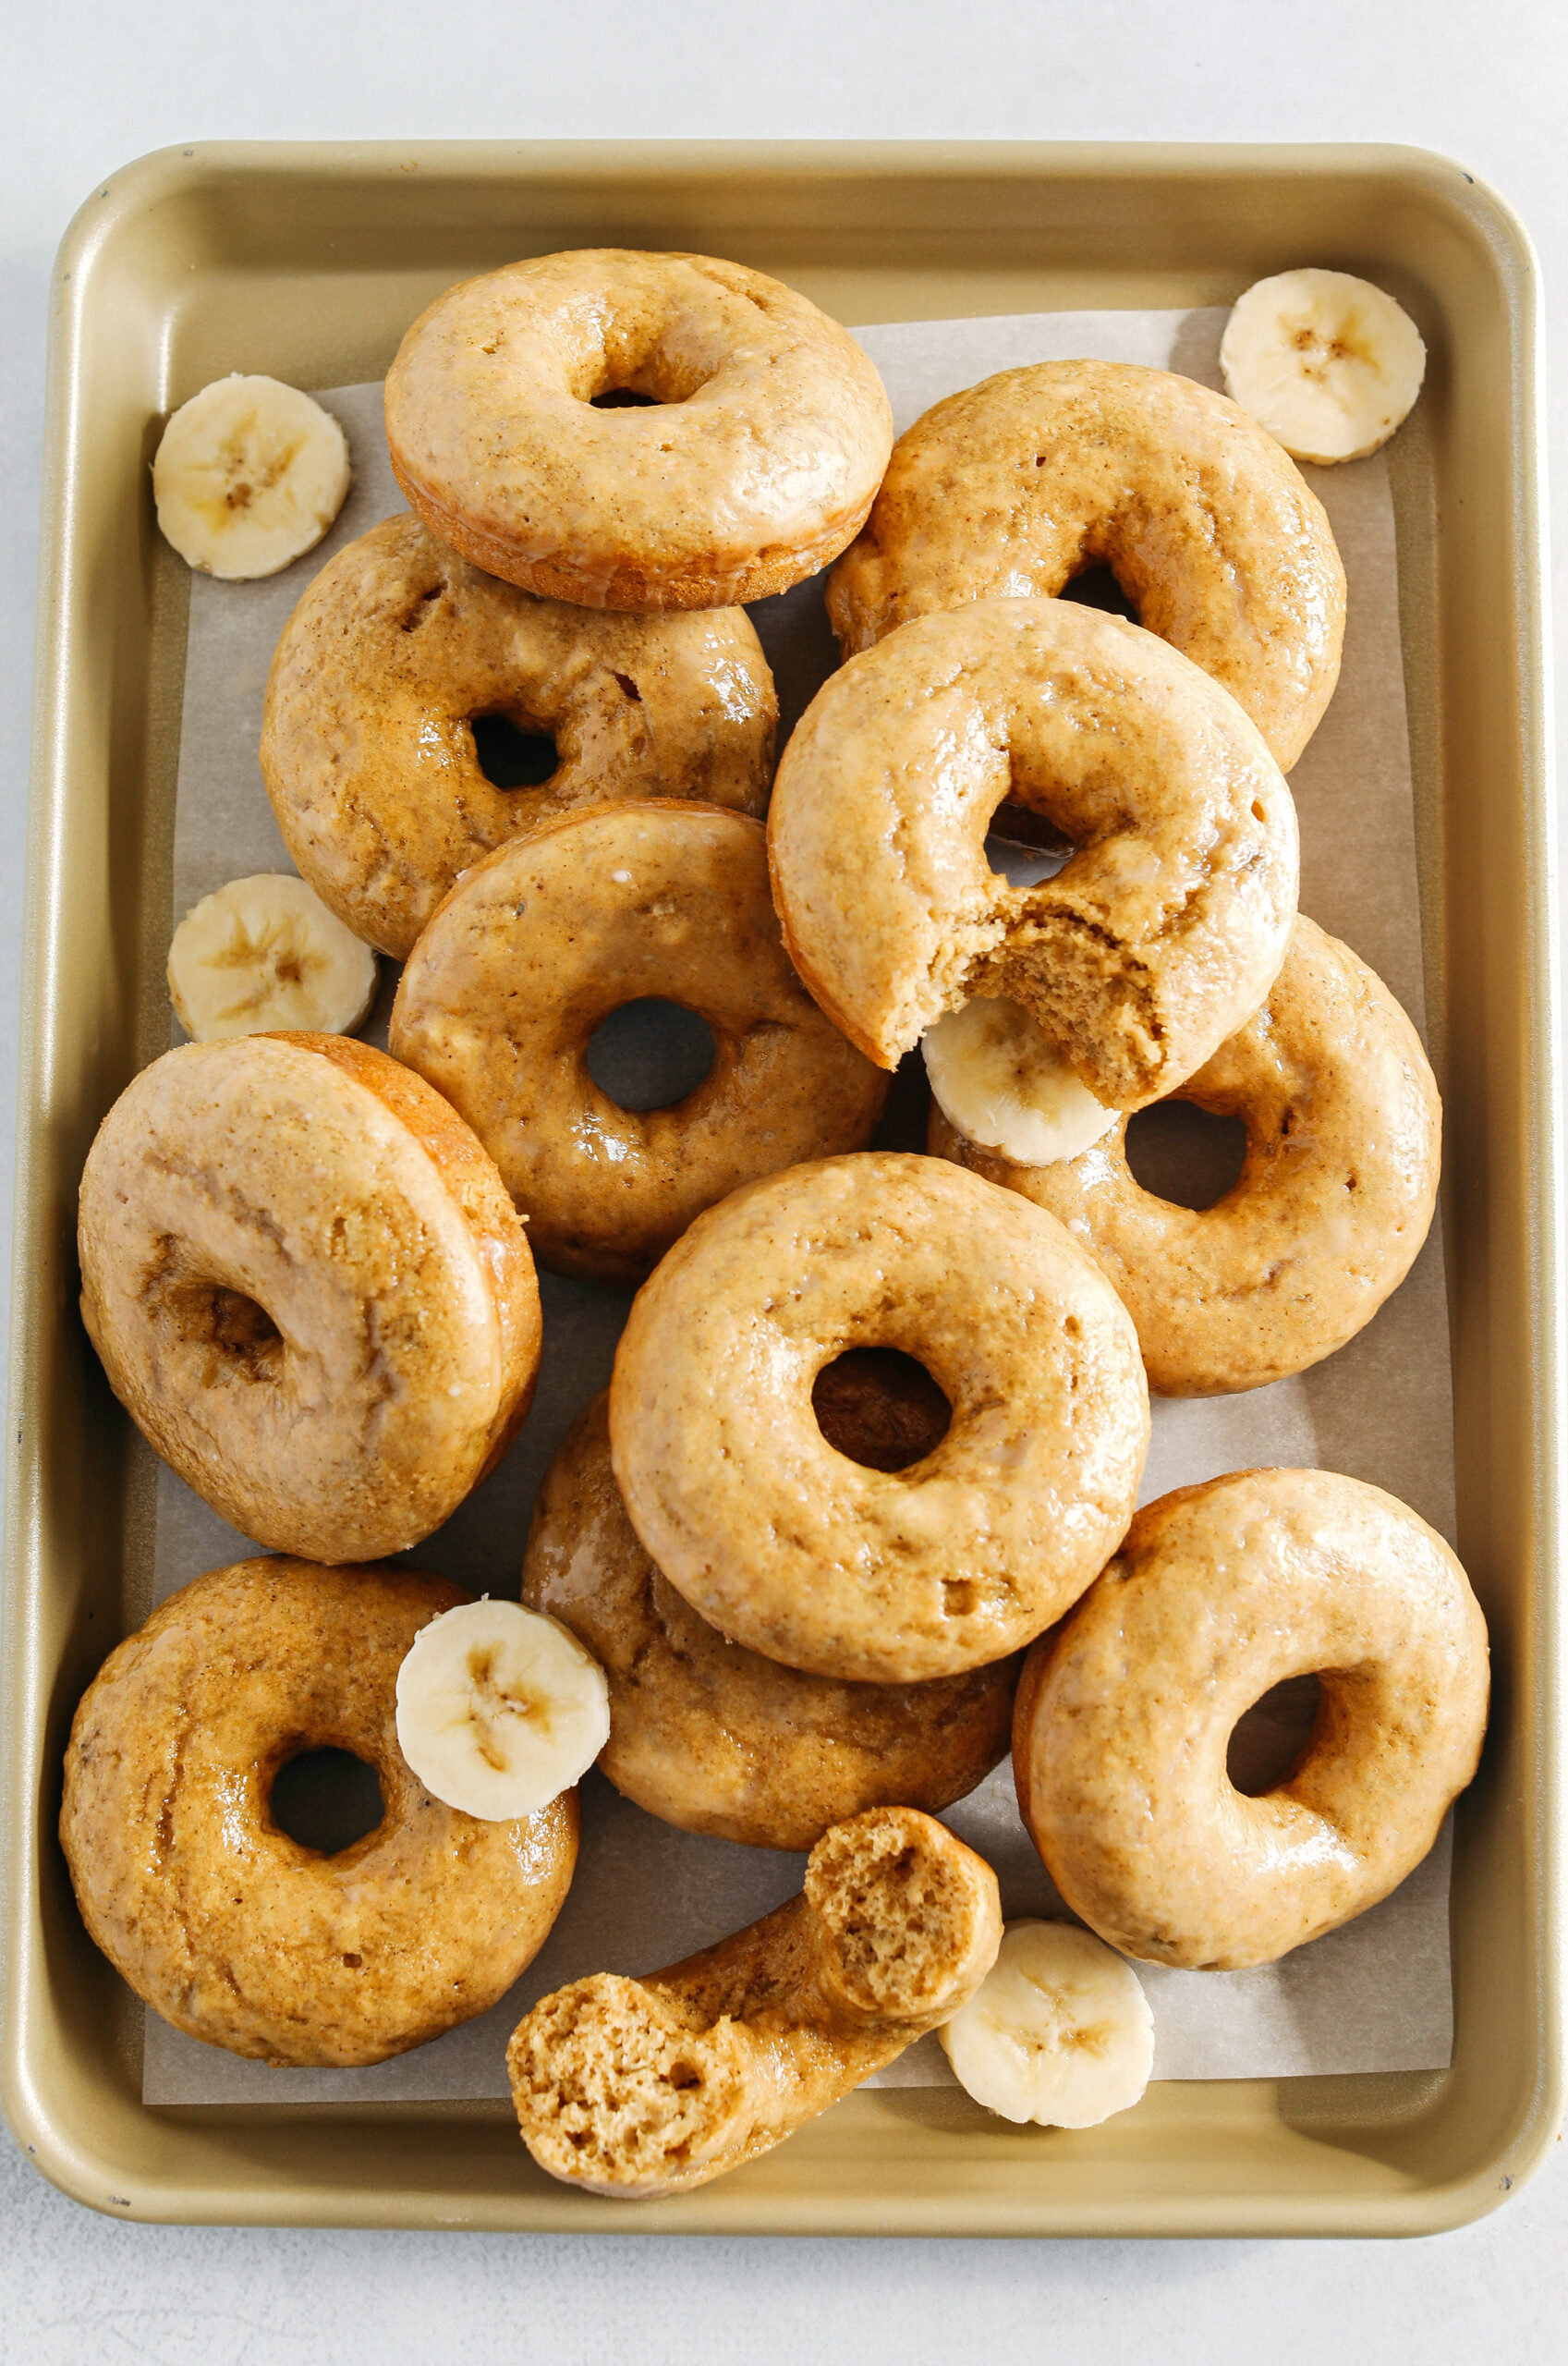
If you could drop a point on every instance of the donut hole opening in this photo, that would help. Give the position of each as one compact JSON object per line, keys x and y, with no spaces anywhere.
{"x":326,"y":1799}
{"x":1096,"y":586}
{"x":1185,"y":1155}
{"x":1271,"y":1737}
{"x":511,"y":757}
{"x":211,"y":1315}
{"x":1015,"y":831}
{"x":624,"y":398}
{"x":1023,"y":846}
{"x":880,"y":1408}
{"x":650,"y":1054}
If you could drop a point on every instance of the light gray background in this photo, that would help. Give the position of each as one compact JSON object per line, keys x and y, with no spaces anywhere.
{"x":85,"y":87}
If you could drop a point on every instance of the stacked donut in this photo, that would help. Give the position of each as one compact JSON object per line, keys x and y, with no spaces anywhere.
{"x":878,"y":1420}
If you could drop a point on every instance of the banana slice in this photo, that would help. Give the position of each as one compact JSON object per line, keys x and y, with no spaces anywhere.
{"x":265,"y":953}
{"x":1003,"y":1082}
{"x":1328,"y":363}
{"x":1059,"y":2030}
{"x":249,"y":474}
{"x":499,"y":1709}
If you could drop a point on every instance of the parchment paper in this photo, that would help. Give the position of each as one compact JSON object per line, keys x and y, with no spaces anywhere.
{"x":1372,"y":1996}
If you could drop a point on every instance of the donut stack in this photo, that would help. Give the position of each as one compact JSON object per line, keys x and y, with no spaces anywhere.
{"x":878,"y":1420}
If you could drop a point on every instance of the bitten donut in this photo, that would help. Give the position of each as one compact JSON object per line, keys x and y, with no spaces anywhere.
{"x":639,"y":2087}
{"x":1124,"y":1714}
{"x":232,"y":1931}
{"x":309,"y":1288}
{"x":399,"y":647}
{"x":1022,"y":482}
{"x":763,"y":435}
{"x":1333,"y":1201}
{"x":784,"y":1544}
{"x":538,"y":944}
{"x":714,"y":1737}
{"x":1165,"y":927}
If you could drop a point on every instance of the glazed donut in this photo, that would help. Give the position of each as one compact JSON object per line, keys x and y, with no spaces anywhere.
{"x":1333,"y":1201}
{"x":1124,"y":1714}
{"x":714,"y":1737}
{"x":538,"y":944}
{"x":399,"y":646}
{"x":309,"y":1288}
{"x":643,"y":2087}
{"x":786,"y":1545}
{"x":1022,"y":482}
{"x":225,"y":1926}
{"x":1166,"y":926}
{"x":768,"y":436}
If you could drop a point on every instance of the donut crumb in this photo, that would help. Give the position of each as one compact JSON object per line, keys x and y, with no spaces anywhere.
{"x":611,"y":2089}
{"x":895,"y":1911}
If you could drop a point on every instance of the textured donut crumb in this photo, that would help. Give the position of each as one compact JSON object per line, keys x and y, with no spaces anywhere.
{"x":897,"y":1914}
{"x":643,"y":2087}
{"x":612,"y":2089}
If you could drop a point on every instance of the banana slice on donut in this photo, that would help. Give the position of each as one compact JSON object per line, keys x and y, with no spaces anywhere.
{"x":250,"y":474}
{"x":1327,"y":363}
{"x":500,"y":1709}
{"x":1058,"y":2032}
{"x":1001,"y":1082}
{"x":264,"y":954}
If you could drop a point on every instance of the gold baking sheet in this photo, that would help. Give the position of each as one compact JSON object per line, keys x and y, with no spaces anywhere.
{"x":307,"y":262}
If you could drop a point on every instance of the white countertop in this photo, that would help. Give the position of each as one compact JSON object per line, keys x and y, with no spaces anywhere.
{"x":88,"y":87}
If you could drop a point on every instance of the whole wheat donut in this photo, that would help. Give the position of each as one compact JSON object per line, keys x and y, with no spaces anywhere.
{"x":223,"y":1924}
{"x":368,"y":745}
{"x":641,"y":2087}
{"x":537,"y":945}
{"x":784,"y":1544}
{"x":1123,"y":1718}
{"x":1022,"y":482}
{"x":309,"y":1288}
{"x":1166,"y":926}
{"x":714,"y":1737}
{"x":1333,"y":1201}
{"x":768,"y":437}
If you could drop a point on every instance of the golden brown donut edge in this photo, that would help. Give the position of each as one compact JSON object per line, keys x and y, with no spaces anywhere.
{"x":1334,"y":1201}
{"x":1123,"y":1715}
{"x":713,"y":1737}
{"x":1032,"y":476}
{"x":237,"y":1934}
{"x":399,"y":646}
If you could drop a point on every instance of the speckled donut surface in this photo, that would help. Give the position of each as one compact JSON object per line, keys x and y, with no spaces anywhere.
{"x":538,"y":944}
{"x":788,"y":1546}
{"x":1123,"y":1718}
{"x":714,"y":1737}
{"x":368,"y":745}
{"x":232,"y":1931}
{"x":309,"y":1288}
{"x":753,"y":466}
{"x":1165,"y":927}
{"x":1022,"y":482}
{"x":1333,"y":1201}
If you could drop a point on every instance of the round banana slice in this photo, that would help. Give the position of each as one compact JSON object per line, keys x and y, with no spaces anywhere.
{"x":264,"y":954}
{"x":500,"y":1709}
{"x":249,"y":474}
{"x":1058,"y":2032}
{"x":1327,"y":363}
{"x":1001,"y":1082}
